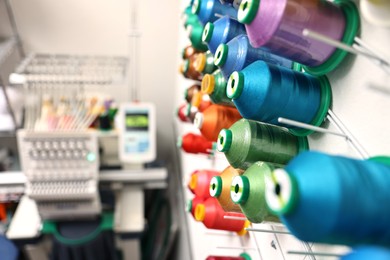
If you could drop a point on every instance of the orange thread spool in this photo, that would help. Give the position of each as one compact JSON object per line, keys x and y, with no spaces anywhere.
{"x":3,"y":212}
{"x":220,"y":189}
{"x":201,"y":101}
{"x":189,"y":71}
{"x":193,"y":143}
{"x":214,"y":119}
{"x":212,"y":216}
{"x":200,"y":181}
{"x":192,"y":203}
{"x":191,"y":91}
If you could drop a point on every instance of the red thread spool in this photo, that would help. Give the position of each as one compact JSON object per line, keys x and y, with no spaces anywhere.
{"x":181,"y":113}
{"x":214,"y":119}
{"x":193,"y":143}
{"x":192,"y":203}
{"x":191,"y":112}
{"x":200,"y":182}
{"x":191,"y":91}
{"x":212,"y":216}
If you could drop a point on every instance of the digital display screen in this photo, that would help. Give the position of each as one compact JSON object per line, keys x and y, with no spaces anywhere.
{"x":137,"y":121}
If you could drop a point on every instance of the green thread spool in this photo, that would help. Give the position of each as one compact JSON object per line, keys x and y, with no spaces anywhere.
{"x":247,"y":142}
{"x":220,"y":189}
{"x":248,"y":191}
{"x":215,"y":86}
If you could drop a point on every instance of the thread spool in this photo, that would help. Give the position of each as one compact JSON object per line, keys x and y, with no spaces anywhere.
{"x":243,"y":256}
{"x":368,"y":252}
{"x":278,"y":26}
{"x":210,"y":10}
{"x":190,"y":19}
{"x":193,"y":143}
{"x":247,"y":142}
{"x":189,"y":51}
{"x":248,"y":191}
{"x":200,"y":101}
{"x":265,"y":92}
{"x":190,"y":92}
{"x":376,"y":12}
{"x":238,"y":54}
{"x":192,"y":203}
{"x":221,"y":31}
{"x":188,"y":70}
{"x":212,"y":215}
{"x":181,"y":113}
{"x":191,"y":112}
{"x":204,"y":63}
{"x":215,"y":86}
{"x":214,"y":119}
{"x":194,"y":33}
{"x":220,"y":189}
{"x":200,"y":181}
{"x":333,"y":199}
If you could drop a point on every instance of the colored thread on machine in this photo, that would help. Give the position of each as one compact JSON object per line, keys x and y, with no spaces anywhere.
{"x":212,"y":215}
{"x":221,"y":31}
{"x":278,"y":26}
{"x":265,"y":92}
{"x":368,"y":252}
{"x":238,"y":54}
{"x":247,"y":142}
{"x":194,"y":33}
{"x":191,"y":112}
{"x":193,"y":143}
{"x":188,"y":70}
{"x":181,"y":113}
{"x":220,"y":189}
{"x":248,"y":191}
{"x":204,"y":63}
{"x":189,"y":51}
{"x":211,"y":10}
{"x":333,"y":199}
{"x":192,"y":203}
{"x":243,"y":256}
{"x":190,"y":19}
{"x":200,"y":181}
{"x":215,"y":86}
{"x":214,"y":119}
{"x":190,"y":92}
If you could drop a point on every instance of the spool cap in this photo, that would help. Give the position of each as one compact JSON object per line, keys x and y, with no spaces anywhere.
{"x":193,"y":181}
{"x":221,"y":55}
{"x":200,"y":62}
{"x":247,"y":11}
{"x":235,"y":85}
{"x":207,"y":32}
{"x":186,"y":66}
{"x":179,"y":142}
{"x":245,"y":256}
{"x":243,"y":231}
{"x":189,"y":205}
{"x":208,"y":84}
{"x":224,"y":140}
{"x":215,"y":186}
{"x":198,"y":121}
{"x":239,"y":190}
{"x":200,"y":212}
{"x":281,"y":192}
{"x":196,"y":6}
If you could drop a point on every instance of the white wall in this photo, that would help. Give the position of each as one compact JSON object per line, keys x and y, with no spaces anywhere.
{"x":102,"y":27}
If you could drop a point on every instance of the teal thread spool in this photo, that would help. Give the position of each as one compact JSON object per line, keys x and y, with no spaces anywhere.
{"x":215,"y":86}
{"x":194,"y":32}
{"x":248,"y":191}
{"x":265,"y":92}
{"x":247,"y":142}
{"x":204,"y":63}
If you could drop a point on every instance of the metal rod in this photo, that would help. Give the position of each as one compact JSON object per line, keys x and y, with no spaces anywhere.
{"x":352,"y":139}
{"x":236,"y":248}
{"x":258,"y":248}
{"x":309,"y":127}
{"x":332,"y":42}
{"x":308,"y":249}
{"x":267,"y":231}
{"x":313,"y":253}
{"x":277,"y":241}
{"x":14,"y":27}
{"x":234,"y":217}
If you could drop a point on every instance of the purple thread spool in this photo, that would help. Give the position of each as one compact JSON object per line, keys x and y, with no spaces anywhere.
{"x":278,"y":25}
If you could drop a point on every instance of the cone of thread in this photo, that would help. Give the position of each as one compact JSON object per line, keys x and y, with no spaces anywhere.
{"x":190,"y":92}
{"x":325,"y":198}
{"x":210,"y":10}
{"x":247,"y":142}
{"x":220,"y":189}
{"x":192,"y":203}
{"x":215,"y":86}
{"x":250,"y":194}
{"x":204,"y":63}
{"x":214,"y":119}
{"x":194,"y":143}
{"x":200,"y":181}
{"x":368,"y":252}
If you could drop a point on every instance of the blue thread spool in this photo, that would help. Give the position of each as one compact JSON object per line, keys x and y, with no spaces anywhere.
{"x":366,"y":252}
{"x":238,"y":54}
{"x":221,"y":31}
{"x":333,"y":199}
{"x":265,"y":92}
{"x":207,"y":10}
